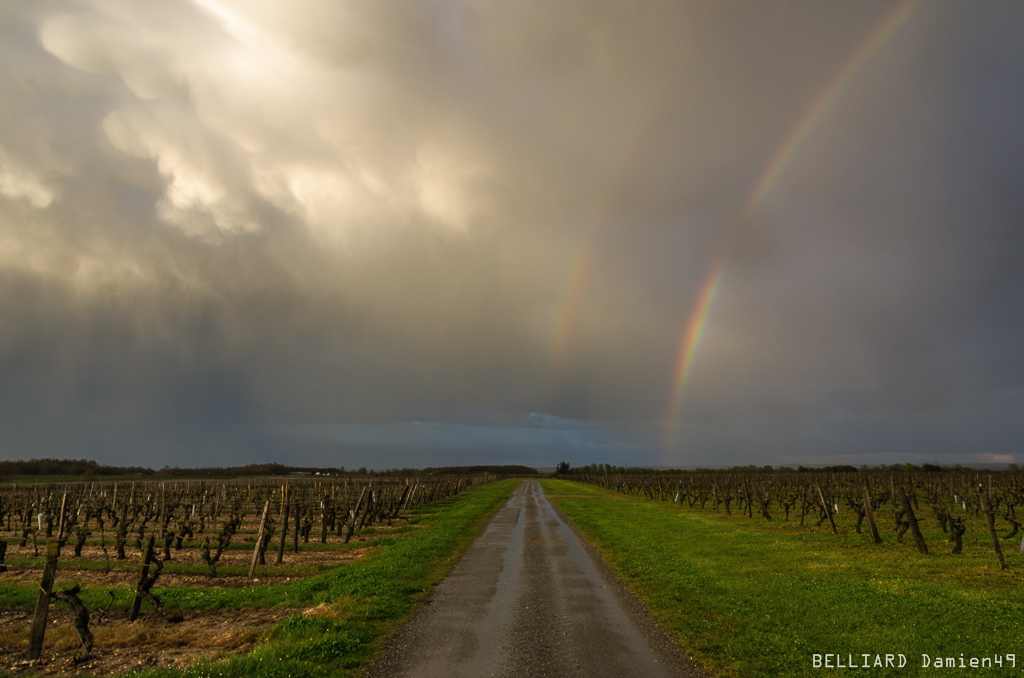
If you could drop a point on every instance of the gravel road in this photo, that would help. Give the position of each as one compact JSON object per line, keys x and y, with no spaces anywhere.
{"x":531,"y":598}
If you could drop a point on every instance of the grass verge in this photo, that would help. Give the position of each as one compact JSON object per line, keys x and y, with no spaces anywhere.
{"x":752,"y":598}
{"x":361,"y":604}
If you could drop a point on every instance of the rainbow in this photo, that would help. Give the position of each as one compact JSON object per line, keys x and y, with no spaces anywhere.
{"x":697,"y":322}
{"x":568,"y":304}
{"x":826,"y":97}
{"x":695,"y":326}
{"x":569,"y":300}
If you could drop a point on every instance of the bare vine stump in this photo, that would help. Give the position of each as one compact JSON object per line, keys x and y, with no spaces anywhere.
{"x":82,"y":535}
{"x":902,"y":525}
{"x":80,"y":621}
{"x":168,"y":542}
{"x":956,"y":533}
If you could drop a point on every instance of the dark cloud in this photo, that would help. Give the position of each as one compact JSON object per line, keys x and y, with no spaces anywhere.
{"x":418,"y":233}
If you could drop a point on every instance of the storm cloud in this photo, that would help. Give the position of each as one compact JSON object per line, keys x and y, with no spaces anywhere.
{"x":418,"y":233}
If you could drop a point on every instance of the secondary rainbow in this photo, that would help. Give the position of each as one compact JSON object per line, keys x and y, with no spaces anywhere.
{"x":697,"y":321}
{"x":567,"y":306}
{"x":598,"y":214}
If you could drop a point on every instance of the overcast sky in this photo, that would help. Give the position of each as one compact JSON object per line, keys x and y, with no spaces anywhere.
{"x":411,"y":233}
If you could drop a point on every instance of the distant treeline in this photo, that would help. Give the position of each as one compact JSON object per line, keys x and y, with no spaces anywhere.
{"x":564,"y":468}
{"x":90,"y":468}
{"x":68,"y":467}
{"x":505,"y":470}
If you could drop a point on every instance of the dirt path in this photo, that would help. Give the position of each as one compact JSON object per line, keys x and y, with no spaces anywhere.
{"x":530,"y":598}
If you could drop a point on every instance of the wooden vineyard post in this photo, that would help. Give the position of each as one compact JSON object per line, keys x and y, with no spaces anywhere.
{"x":284,"y":533}
{"x":986,"y":507}
{"x":122,"y":532}
{"x":323,"y":518}
{"x":870,"y":513}
{"x":162,"y":513}
{"x":60,"y":522}
{"x":826,"y":508}
{"x":352,"y":516}
{"x":137,"y":603}
{"x":401,"y":500}
{"x":912,"y":519}
{"x":259,"y":540}
{"x":368,"y":510}
{"x":408,"y":499}
{"x":35,"y":641}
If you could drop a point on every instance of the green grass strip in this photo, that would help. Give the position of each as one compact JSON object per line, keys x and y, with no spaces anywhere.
{"x":757,"y":598}
{"x":366,"y":600}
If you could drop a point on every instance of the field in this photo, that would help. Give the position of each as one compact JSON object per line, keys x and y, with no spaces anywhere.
{"x":749,"y":596}
{"x":354,"y":557}
{"x":755,"y":574}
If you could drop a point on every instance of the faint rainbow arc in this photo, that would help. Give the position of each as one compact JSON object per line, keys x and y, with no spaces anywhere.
{"x":569,"y":299}
{"x":567,"y":306}
{"x":697,"y":321}
{"x":823,"y":101}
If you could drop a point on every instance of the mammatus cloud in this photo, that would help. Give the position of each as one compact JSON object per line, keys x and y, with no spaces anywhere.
{"x":392,"y":232}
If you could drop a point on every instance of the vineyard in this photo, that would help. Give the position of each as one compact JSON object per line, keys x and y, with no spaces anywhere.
{"x":117,"y":552}
{"x":964,"y":509}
